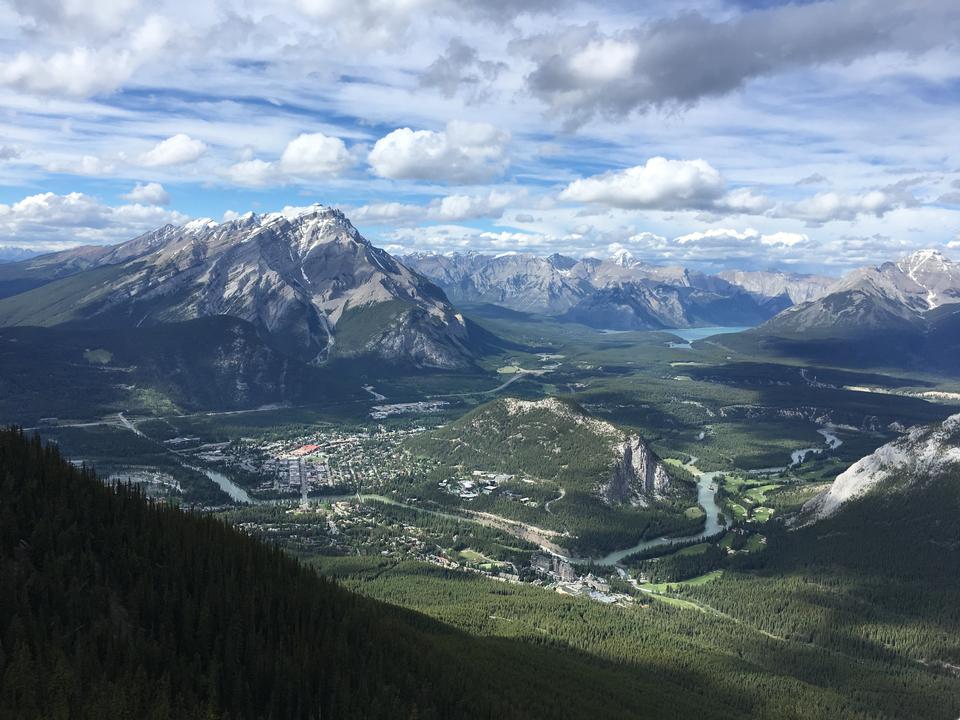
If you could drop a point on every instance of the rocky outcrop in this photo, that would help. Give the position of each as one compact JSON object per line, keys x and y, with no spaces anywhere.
{"x":638,"y":476}
{"x":923,"y":452}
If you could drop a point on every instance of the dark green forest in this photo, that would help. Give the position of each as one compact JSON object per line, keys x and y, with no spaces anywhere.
{"x":115,"y":607}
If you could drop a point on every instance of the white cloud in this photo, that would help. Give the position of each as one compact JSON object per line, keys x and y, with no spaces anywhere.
{"x":52,"y":221}
{"x":316,"y":154}
{"x":79,"y":72}
{"x":660,"y":184}
{"x":387,"y":211}
{"x":604,"y":60}
{"x":253,"y":173}
{"x":150,"y":194}
{"x":744,"y":200}
{"x":82,"y":71}
{"x":727,"y":237}
{"x":452,"y":208}
{"x":462,"y":207}
{"x":177,"y":150}
{"x":828,"y":206}
{"x":84,"y":165}
{"x":787,"y":239}
{"x":465,"y":153}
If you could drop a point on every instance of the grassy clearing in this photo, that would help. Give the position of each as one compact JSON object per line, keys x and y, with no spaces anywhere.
{"x":659,"y":588}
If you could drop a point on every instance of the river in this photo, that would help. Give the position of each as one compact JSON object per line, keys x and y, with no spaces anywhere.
{"x":706,"y":498}
{"x":236,"y":493}
{"x":831,"y":442}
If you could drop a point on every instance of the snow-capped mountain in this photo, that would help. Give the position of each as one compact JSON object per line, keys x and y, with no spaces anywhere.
{"x":894,"y":295}
{"x":924,"y":452}
{"x":305,"y":279}
{"x":620,"y":292}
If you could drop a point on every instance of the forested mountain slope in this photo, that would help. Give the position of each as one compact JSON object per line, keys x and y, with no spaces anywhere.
{"x":111,"y":607}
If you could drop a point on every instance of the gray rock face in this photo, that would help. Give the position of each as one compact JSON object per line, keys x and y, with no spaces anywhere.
{"x":921,"y":453}
{"x":307,"y":280}
{"x":797,"y":287}
{"x":638,"y":476}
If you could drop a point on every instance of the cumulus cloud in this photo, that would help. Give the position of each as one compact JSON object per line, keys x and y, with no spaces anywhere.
{"x":84,"y":71}
{"x":51,"y":221}
{"x":660,"y":184}
{"x":253,"y":173}
{"x":315,"y":154}
{"x":149,"y":194}
{"x":79,"y":72}
{"x":387,"y":212}
{"x":464,"y":153}
{"x":460,"y":68}
{"x":676,"y":61}
{"x":829,"y":206}
{"x":463,"y":207}
{"x":744,"y":200}
{"x":177,"y":150}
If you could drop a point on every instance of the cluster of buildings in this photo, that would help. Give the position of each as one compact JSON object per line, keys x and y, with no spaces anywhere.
{"x":484,"y":482}
{"x":310,"y":463}
{"x":563,"y":577}
{"x":479,"y":483}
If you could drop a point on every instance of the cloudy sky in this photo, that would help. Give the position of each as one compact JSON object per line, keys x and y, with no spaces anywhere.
{"x":815,"y":136}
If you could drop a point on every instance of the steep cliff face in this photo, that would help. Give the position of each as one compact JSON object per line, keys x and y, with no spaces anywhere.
{"x":638,"y":476}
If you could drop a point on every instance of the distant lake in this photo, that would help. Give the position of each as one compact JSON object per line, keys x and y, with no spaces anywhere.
{"x":689,"y":335}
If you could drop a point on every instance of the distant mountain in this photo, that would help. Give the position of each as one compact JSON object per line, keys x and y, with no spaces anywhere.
{"x":923,"y":453}
{"x":545,"y":285}
{"x":891,"y":295}
{"x":15,"y":254}
{"x":796,"y":287}
{"x":307,"y":281}
{"x":617,"y":293}
{"x":903,"y":314}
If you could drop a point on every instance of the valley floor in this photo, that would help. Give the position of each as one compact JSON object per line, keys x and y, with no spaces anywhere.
{"x":731,"y":597}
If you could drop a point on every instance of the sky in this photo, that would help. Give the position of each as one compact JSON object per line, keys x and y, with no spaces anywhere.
{"x":806,"y":136}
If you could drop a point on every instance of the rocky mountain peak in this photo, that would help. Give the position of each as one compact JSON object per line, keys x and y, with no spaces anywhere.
{"x":623,"y":258}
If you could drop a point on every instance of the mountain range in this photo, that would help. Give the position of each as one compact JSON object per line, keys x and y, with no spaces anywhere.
{"x":617,"y":293}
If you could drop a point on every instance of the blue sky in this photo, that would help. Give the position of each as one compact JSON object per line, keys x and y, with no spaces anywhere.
{"x":814,"y":136}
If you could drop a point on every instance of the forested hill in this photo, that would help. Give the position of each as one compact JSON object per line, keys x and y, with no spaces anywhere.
{"x":113,"y":607}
